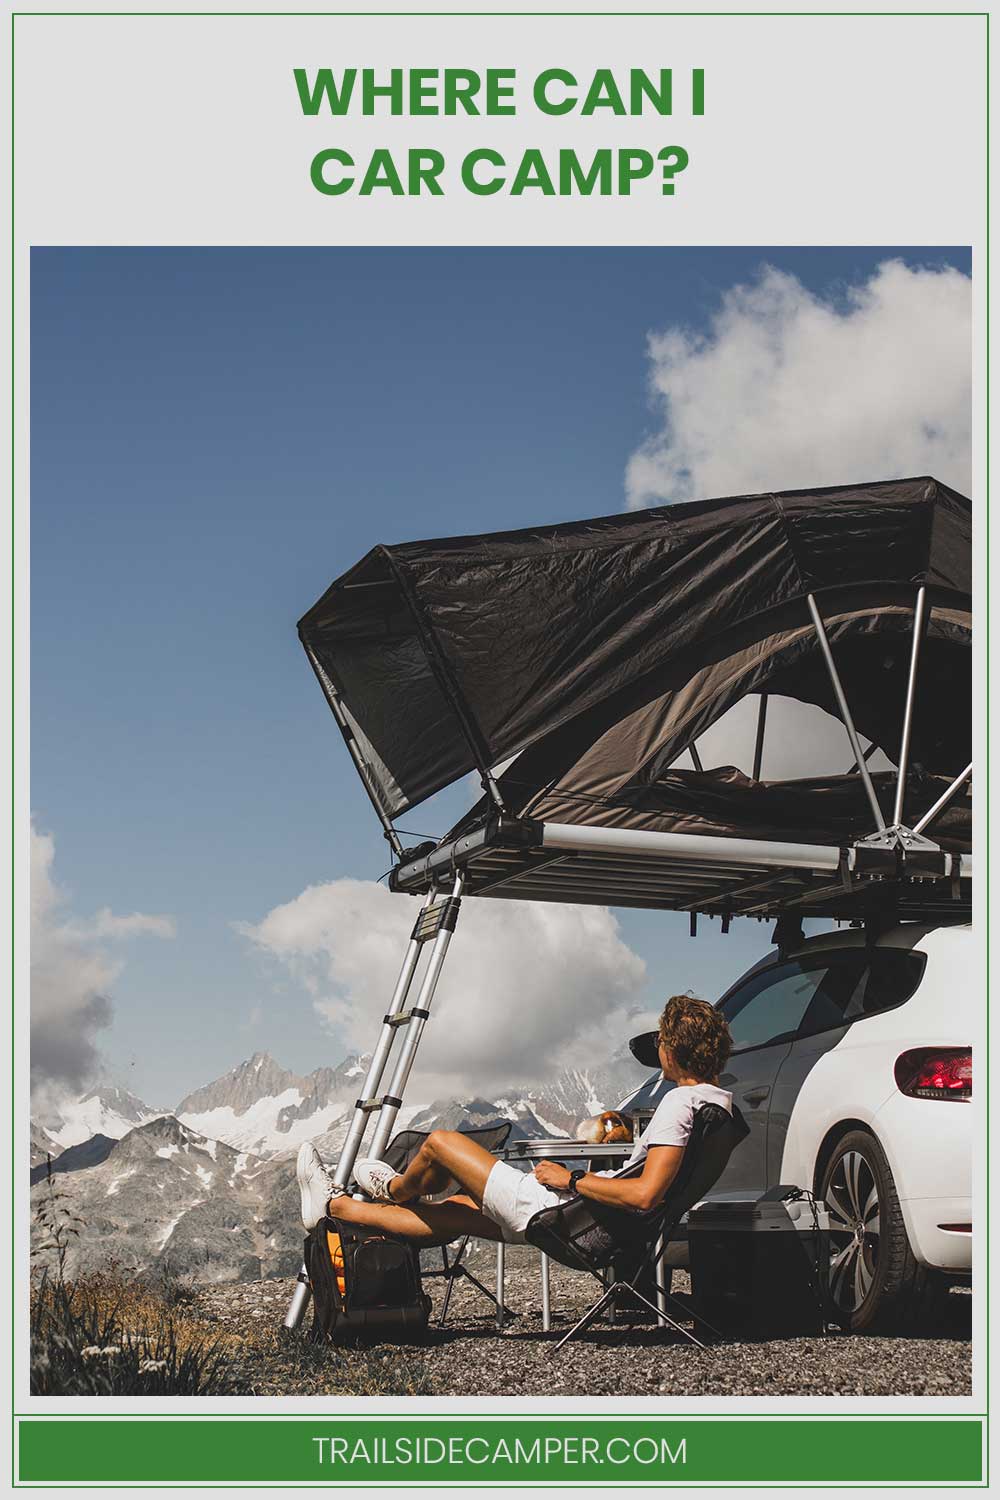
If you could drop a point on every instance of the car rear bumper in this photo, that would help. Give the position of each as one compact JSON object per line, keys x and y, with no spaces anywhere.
{"x":945,"y":1249}
{"x":929,"y":1146}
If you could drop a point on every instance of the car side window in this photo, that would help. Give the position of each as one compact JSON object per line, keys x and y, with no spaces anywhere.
{"x":772,"y":1005}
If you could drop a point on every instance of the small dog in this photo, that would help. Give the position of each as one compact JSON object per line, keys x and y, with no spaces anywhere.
{"x":607,"y":1128}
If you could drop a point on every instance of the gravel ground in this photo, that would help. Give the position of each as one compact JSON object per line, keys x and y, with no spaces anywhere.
{"x":469,"y":1358}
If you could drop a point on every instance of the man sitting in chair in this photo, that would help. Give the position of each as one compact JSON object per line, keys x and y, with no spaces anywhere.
{"x":497,"y":1201}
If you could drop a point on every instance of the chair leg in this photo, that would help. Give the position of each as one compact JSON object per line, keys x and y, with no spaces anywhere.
{"x":588,"y":1317}
{"x":661,"y":1314}
{"x":449,"y":1273}
{"x":690,"y":1311}
{"x":484,"y":1289}
{"x":452,"y":1271}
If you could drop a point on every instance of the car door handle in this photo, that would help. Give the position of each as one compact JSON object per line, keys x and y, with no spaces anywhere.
{"x":757,"y":1096}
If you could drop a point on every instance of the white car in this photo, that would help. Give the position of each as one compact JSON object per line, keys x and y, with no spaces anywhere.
{"x":852,"y":1065}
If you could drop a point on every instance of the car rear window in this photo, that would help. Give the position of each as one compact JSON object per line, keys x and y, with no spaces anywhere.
{"x":865,"y":982}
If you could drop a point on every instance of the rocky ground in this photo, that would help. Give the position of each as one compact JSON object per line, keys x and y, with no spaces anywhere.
{"x":469,"y":1358}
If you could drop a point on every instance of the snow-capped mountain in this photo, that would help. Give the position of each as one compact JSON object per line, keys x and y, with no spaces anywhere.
{"x":261,"y":1107}
{"x":165,"y":1196}
{"x":106,"y":1111}
{"x":43,"y":1144}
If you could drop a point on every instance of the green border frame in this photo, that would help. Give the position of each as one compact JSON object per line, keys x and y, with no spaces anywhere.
{"x":515,"y":1416}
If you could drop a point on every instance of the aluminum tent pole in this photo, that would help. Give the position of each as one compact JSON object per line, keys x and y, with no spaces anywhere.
{"x":845,"y":712}
{"x":911,"y":685}
{"x":943,"y":800}
{"x":393,"y":1099}
{"x":350,"y":739}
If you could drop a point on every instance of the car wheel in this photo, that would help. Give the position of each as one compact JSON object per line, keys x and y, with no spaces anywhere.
{"x":875,"y":1283}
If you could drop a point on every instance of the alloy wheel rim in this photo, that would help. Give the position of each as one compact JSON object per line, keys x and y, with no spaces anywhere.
{"x":853,"y":1202}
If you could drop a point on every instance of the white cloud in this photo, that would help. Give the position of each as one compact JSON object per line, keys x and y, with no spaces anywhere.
{"x":137,"y":924}
{"x":788,"y":389}
{"x":527,"y":988}
{"x":72,"y":970}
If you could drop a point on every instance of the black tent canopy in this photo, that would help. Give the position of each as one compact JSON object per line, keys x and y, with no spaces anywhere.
{"x":594,"y":653}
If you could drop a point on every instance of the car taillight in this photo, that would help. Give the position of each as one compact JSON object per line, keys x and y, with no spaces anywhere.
{"x":935,"y":1073}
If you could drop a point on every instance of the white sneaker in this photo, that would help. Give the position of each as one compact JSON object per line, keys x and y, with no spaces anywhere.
{"x":373,"y":1178}
{"x":316,"y":1186}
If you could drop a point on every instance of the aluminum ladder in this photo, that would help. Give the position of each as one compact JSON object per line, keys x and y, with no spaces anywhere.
{"x":434,"y":926}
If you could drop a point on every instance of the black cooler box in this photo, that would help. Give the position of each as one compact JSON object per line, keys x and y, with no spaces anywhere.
{"x":759,"y":1264}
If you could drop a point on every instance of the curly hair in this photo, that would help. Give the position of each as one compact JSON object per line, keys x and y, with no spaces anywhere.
{"x":697,"y":1034}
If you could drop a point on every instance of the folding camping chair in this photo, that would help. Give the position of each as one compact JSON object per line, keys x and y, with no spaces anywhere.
{"x":589,"y":1236}
{"x":398,"y":1154}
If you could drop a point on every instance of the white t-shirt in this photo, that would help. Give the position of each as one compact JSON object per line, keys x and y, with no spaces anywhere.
{"x":672,"y":1120}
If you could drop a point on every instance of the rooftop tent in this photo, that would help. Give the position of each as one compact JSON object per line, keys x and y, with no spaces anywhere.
{"x":596,"y":652}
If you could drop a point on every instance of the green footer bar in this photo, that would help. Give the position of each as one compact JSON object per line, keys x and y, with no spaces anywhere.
{"x":519,"y":1450}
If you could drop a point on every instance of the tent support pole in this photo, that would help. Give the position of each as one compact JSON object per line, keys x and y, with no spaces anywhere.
{"x":868,"y":755}
{"x":911,"y":685}
{"x":361,"y":765}
{"x":490,"y":785}
{"x":758,"y":749}
{"x":695,"y":757}
{"x":445,"y":677}
{"x":845,"y":712}
{"x":943,"y":800}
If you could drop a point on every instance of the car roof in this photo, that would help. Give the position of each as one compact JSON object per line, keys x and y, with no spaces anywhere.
{"x":899,"y":935}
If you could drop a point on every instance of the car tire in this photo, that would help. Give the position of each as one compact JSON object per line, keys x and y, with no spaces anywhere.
{"x":876,"y":1285}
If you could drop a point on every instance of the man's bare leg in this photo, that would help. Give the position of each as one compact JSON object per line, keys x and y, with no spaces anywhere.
{"x":424,"y":1223}
{"x":446,"y":1155}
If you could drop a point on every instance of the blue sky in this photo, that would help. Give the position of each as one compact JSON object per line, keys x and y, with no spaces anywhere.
{"x":216,"y":434}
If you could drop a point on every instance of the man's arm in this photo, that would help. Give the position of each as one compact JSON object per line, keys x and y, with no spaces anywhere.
{"x":645,"y":1191}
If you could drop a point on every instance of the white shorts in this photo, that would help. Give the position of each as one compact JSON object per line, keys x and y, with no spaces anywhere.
{"x":511,"y":1198}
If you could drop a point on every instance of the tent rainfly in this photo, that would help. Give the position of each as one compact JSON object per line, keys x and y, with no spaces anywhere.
{"x":590,"y":656}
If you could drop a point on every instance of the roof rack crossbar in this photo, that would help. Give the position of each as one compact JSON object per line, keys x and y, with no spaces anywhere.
{"x":773,"y":877}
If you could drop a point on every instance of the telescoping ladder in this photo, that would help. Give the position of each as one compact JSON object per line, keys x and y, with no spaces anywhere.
{"x":435,"y":925}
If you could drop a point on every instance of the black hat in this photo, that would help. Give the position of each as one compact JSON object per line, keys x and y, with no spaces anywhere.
{"x":646,"y":1048}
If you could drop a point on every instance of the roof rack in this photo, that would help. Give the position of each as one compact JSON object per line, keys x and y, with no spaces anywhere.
{"x":525,"y":860}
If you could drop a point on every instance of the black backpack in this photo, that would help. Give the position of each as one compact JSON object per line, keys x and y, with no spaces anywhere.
{"x":379,"y":1291}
